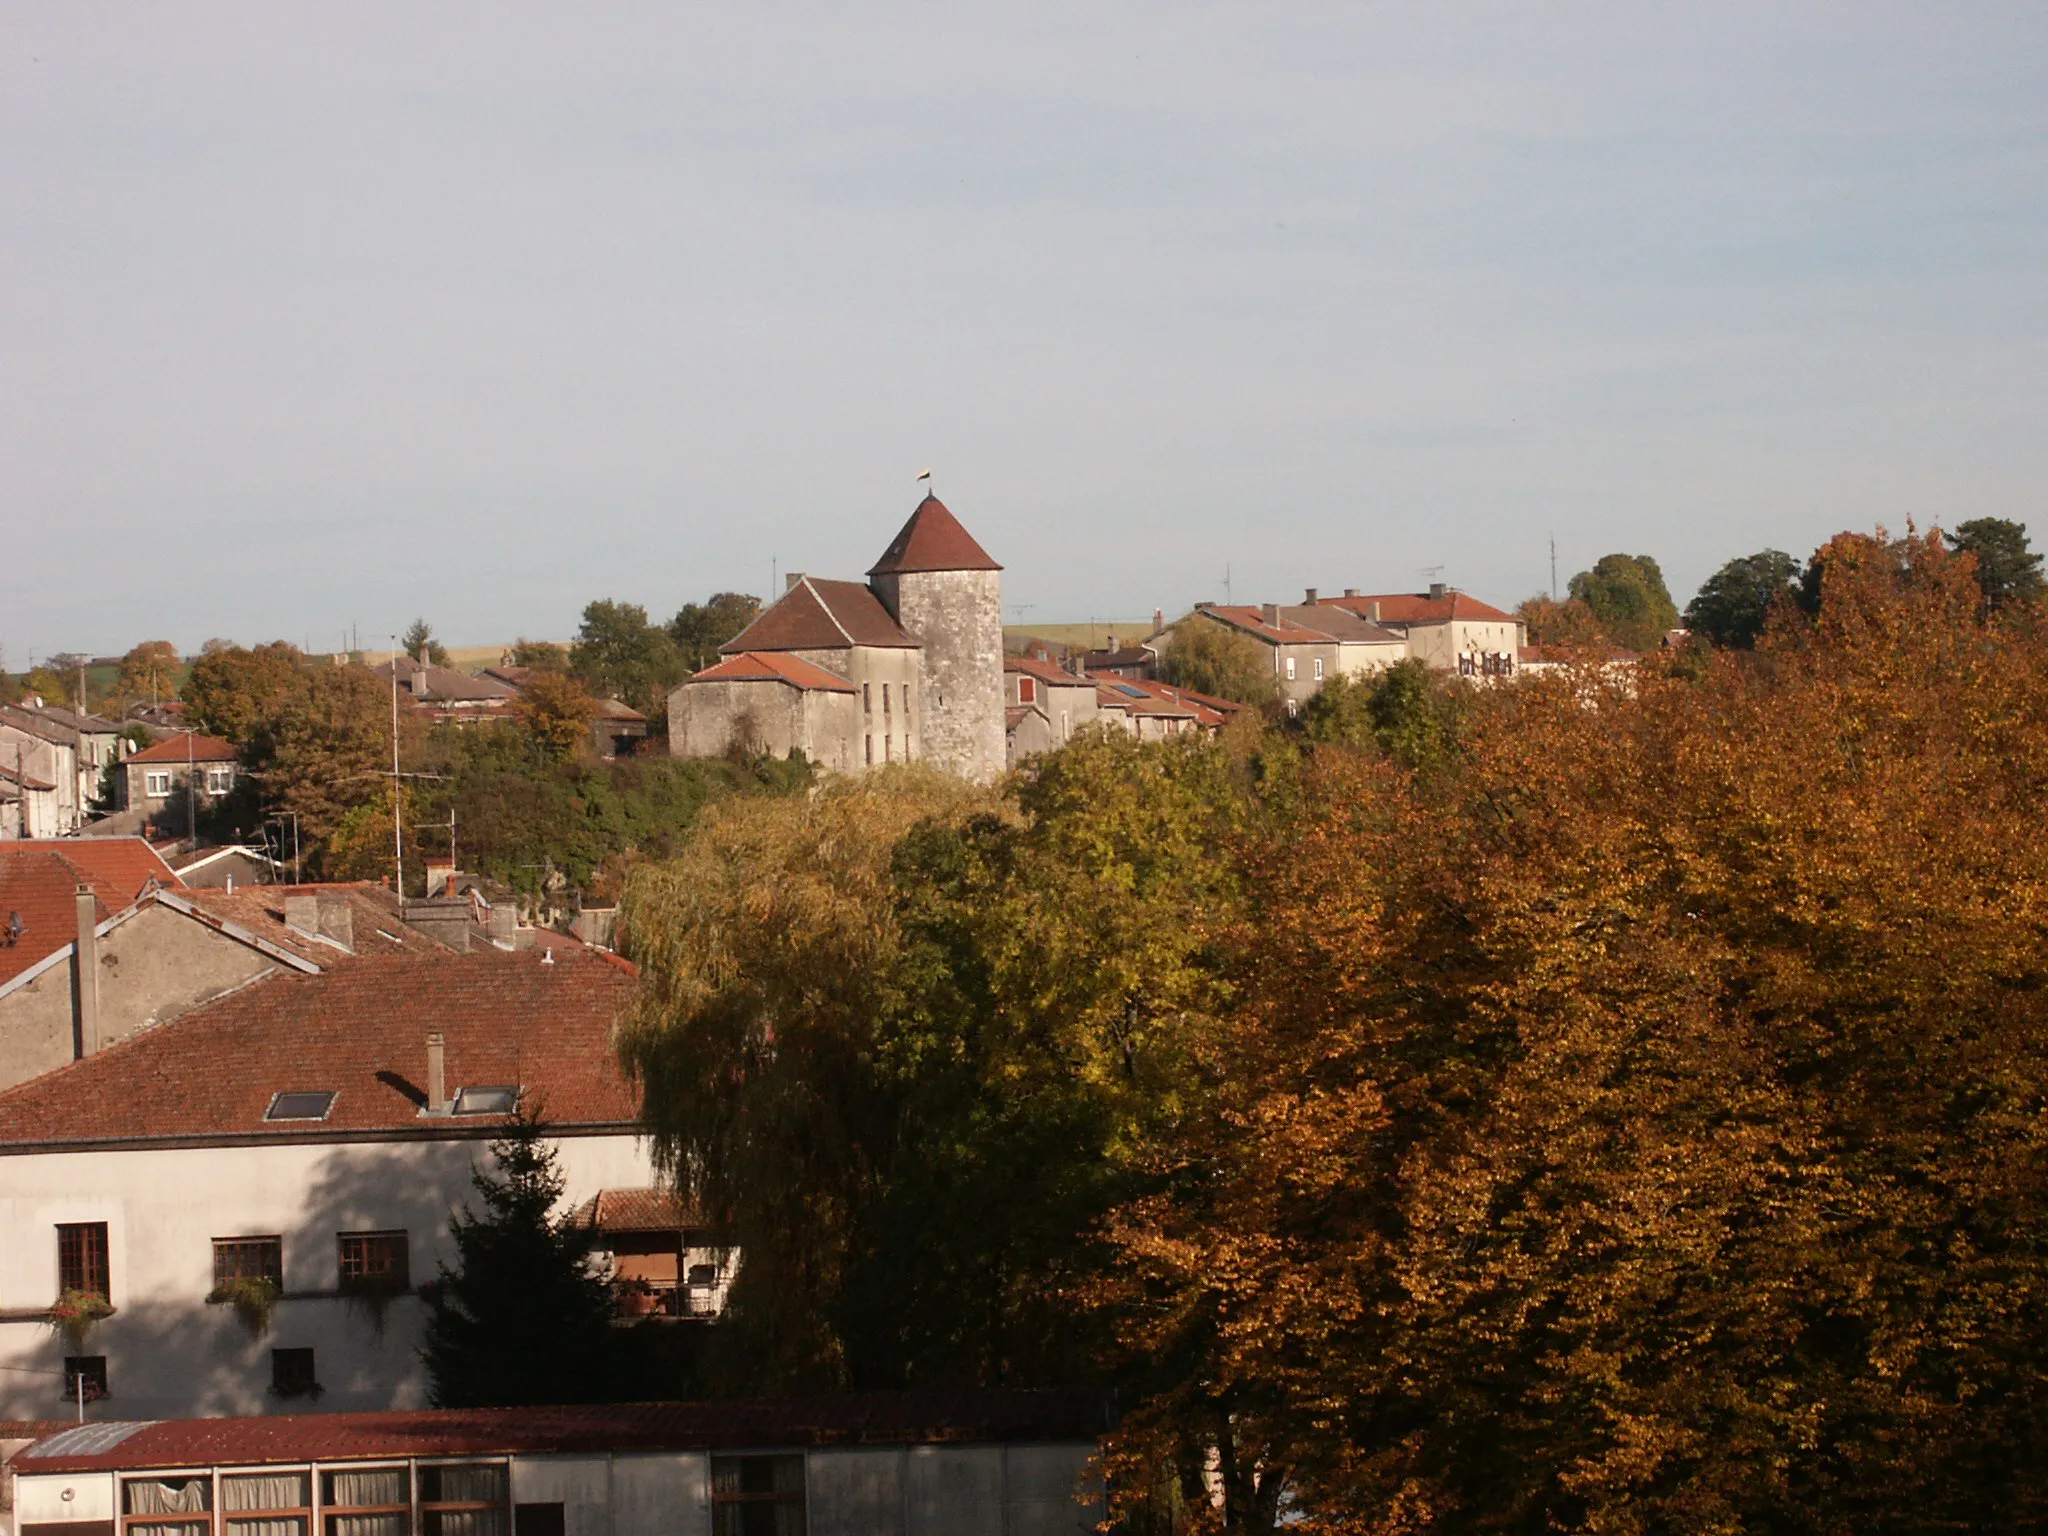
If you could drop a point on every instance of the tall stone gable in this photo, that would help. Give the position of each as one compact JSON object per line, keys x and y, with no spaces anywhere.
{"x":947,"y":593}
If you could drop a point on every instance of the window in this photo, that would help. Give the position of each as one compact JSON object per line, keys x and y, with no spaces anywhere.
{"x":464,"y":1501}
{"x":367,"y":1501}
{"x":1290,"y":669}
{"x":485,"y":1101}
{"x":888,"y":748}
{"x":757,"y":1495}
{"x":293,"y":1373}
{"x":247,"y":1258}
{"x":82,"y":1258}
{"x":1027,"y":690}
{"x":374,"y":1261}
{"x":1319,"y":669}
{"x":92,"y":1369}
{"x":867,"y":698}
{"x":219,"y":780}
{"x":885,"y":698}
{"x":156,"y":784}
{"x":300,"y":1106}
{"x":268,"y":1503}
{"x":167,"y":1506}
{"x":538,"y":1520}
{"x":871,"y":750}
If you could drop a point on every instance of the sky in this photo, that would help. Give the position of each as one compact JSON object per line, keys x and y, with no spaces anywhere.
{"x":314,"y":318}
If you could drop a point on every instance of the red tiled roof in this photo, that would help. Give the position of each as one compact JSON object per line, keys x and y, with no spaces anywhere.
{"x":1300,"y":625}
{"x":361,"y":1030}
{"x":846,"y":1418}
{"x":375,"y":924}
{"x":820,"y":615}
{"x":39,"y":881}
{"x":1045,"y":671}
{"x":636,"y":1210}
{"x":172,"y":749}
{"x":932,"y":540}
{"x":773,"y":667}
{"x":1420,"y":608}
{"x":1168,"y":699}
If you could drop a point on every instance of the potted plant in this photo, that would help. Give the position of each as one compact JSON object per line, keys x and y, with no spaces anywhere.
{"x":75,"y":1312}
{"x":253,"y":1297}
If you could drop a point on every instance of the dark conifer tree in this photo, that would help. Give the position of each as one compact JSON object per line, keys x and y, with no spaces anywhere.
{"x":522,"y":1317}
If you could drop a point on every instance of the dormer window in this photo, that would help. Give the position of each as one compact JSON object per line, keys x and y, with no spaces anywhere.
{"x":485,"y":1101}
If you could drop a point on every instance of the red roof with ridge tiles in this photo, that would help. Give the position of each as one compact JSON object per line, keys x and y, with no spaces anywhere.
{"x":932,"y":540}
{"x":773,"y":667}
{"x":204,"y":749}
{"x":360,"y":1030}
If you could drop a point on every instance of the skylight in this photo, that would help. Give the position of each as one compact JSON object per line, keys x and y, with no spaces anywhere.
{"x":485,"y":1101}
{"x":1136,"y":693}
{"x":300,"y":1105}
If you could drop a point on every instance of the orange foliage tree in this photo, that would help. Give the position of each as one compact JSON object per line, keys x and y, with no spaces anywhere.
{"x":1644,"y":1126}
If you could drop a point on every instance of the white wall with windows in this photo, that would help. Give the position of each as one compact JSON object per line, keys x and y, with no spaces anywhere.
{"x":348,"y":1229}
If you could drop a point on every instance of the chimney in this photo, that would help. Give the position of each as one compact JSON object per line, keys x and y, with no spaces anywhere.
{"x":1309,"y":598}
{"x":1351,"y":591}
{"x":789,"y":582}
{"x":1109,"y":642}
{"x":1372,"y":611}
{"x":1271,"y":614}
{"x":437,"y":1075}
{"x":337,"y":921}
{"x":1436,"y":591}
{"x":86,"y":976}
{"x":302,"y":913}
{"x":423,"y":653}
{"x":1158,"y":620}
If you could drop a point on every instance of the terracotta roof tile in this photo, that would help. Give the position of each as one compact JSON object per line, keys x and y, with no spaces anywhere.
{"x":39,"y":880}
{"x":1420,"y":608}
{"x":820,"y":615}
{"x":359,"y":1029}
{"x":637,"y":1210}
{"x":1046,"y":671}
{"x":774,"y":667}
{"x":376,"y":926}
{"x":172,"y":749}
{"x":846,"y":1418}
{"x":932,"y":540}
{"x":1301,"y":625}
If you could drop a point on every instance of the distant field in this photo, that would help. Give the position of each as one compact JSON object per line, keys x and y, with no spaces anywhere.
{"x":1094,"y":636}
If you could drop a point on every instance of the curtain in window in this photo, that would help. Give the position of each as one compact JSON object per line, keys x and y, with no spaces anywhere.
{"x":394,"y":1524}
{"x":468,"y":1485}
{"x":384,"y":1485}
{"x":283,"y":1525}
{"x":185,"y":1496}
{"x":281,"y":1490}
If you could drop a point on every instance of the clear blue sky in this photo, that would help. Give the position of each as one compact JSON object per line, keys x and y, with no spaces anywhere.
{"x":313,"y":315}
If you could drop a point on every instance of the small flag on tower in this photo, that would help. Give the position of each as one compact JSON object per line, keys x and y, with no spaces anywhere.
{"x":924,"y":474}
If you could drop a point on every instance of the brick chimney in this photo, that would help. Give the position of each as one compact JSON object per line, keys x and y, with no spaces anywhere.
{"x":1309,"y":598}
{"x":1271,"y":614}
{"x":1351,"y":591}
{"x":85,"y":964}
{"x":1436,"y":591}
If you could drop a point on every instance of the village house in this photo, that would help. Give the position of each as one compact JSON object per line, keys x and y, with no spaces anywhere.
{"x":446,"y":694}
{"x":958,"y":1463}
{"x":906,"y":667}
{"x":1045,"y":704}
{"x":314,"y":1133}
{"x":65,"y":750}
{"x":1309,"y":644}
{"x":170,"y":781}
{"x":1451,"y":631}
{"x":28,"y":805}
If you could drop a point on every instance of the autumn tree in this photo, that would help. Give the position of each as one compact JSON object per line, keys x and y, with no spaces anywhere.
{"x":1549,"y":622}
{"x":150,"y":673}
{"x":1733,"y":604}
{"x":540,"y":655}
{"x":242,"y":693}
{"x":1208,"y":656}
{"x":1626,"y":593}
{"x":699,"y":629}
{"x":555,"y":713}
{"x":2008,"y":571}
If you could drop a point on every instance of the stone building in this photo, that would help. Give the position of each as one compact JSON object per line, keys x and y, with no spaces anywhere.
{"x":907,"y":667}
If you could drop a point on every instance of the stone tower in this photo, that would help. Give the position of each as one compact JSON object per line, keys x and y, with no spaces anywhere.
{"x":942,"y":587}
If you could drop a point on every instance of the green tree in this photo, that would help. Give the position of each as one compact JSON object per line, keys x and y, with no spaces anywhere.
{"x":419,"y":637}
{"x":521,"y":1317}
{"x":2008,"y":571}
{"x":699,"y":629}
{"x":619,"y":655}
{"x":1733,"y":603}
{"x":1626,"y":593}
{"x":555,"y":713}
{"x":1208,"y":656}
{"x":540,"y":655}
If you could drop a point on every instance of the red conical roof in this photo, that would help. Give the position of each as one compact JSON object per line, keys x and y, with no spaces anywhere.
{"x":933,"y":540}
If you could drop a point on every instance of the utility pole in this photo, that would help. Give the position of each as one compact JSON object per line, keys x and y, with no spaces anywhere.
{"x":1553,"y":567}
{"x":397,"y":787}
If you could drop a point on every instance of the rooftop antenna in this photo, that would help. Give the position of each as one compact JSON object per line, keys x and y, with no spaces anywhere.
{"x":397,"y":785}
{"x":1553,"y":566}
{"x":1228,"y":600}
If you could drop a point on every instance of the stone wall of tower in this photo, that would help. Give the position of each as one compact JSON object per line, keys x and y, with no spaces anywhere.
{"x":957,"y":617}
